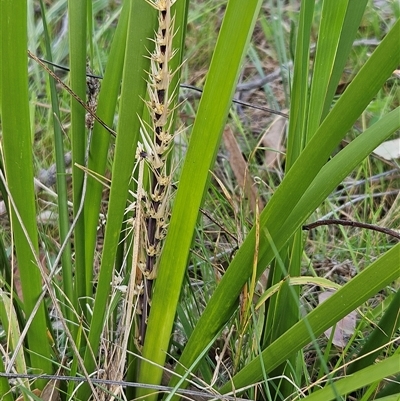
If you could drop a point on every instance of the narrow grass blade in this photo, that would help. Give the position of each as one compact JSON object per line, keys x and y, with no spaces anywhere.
{"x":299,"y":92}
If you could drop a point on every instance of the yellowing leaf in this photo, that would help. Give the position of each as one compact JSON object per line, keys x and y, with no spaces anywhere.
{"x":305,"y":280}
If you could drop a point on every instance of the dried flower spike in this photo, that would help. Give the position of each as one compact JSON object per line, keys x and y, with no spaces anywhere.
{"x":92,"y":91}
{"x":158,"y":138}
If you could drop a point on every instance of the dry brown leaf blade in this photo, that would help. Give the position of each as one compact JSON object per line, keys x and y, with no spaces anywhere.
{"x":239,"y":168}
{"x":51,"y":392}
{"x":272,"y":140}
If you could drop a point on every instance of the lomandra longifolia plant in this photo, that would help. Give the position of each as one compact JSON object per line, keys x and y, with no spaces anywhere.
{"x":118,"y":301}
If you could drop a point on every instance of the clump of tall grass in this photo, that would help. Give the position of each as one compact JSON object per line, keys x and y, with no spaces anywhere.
{"x":126,"y":313}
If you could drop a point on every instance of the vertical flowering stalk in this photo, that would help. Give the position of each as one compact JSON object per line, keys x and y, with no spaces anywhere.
{"x":157,"y":139}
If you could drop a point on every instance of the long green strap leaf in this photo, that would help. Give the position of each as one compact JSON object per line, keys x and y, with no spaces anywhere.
{"x":77,"y":48}
{"x":354,"y":13}
{"x":299,"y":94}
{"x":333,"y":14}
{"x":17,"y":147}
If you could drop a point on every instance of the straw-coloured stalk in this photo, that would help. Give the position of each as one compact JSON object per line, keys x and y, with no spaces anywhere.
{"x":157,"y":139}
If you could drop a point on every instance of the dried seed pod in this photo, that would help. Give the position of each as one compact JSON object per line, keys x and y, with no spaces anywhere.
{"x":92,"y":91}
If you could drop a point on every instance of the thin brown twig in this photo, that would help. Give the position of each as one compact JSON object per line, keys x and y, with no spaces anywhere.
{"x":351,"y":223}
